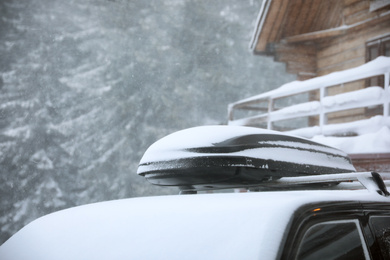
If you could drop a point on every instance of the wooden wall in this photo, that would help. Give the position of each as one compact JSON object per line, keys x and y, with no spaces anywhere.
{"x":379,"y":162}
{"x":349,"y":50}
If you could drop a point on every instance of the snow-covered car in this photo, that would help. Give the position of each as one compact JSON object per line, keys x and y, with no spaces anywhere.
{"x":304,"y":201}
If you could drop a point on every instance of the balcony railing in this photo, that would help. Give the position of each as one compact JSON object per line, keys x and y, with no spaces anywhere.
{"x":349,"y":102}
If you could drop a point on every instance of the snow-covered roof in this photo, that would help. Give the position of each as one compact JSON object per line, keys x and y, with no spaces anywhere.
{"x":205,"y":226}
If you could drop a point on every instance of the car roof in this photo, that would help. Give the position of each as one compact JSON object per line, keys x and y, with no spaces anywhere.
{"x":203,"y":226}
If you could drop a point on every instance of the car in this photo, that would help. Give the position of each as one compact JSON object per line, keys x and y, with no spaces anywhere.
{"x":302,"y":200}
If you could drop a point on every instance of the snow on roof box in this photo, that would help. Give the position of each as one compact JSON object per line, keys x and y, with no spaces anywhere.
{"x":212,"y":157}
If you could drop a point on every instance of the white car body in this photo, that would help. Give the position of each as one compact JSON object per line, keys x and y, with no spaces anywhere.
{"x":204,"y":226}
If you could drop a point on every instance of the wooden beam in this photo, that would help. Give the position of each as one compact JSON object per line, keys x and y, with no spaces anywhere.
{"x":268,"y":24}
{"x":312,"y":36}
{"x":307,"y":49}
{"x":295,"y":56}
{"x":317,"y":35}
{"x":294,"y":67}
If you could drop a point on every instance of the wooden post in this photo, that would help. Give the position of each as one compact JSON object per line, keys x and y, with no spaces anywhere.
{"x":387,"y":94}
{"x":230,"y":112}
{"x":270,"y":108}
{"x":322,"y":110}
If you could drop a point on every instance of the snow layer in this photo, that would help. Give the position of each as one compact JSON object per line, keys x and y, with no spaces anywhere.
{"x":195,"y":137}
{"x":208,"y":226}
{"x":373,"y":135}
{"x":299,"y":108}
{"x":375,"y":142}
{"x":361,"y":127}
{"x":379,"y":65}
{"x":371,"y":93}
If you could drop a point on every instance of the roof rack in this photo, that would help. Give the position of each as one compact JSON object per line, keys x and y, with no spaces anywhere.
{"x":372,"y":181}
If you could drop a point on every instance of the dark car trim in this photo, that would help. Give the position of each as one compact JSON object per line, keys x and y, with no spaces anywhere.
{"x":311,"y":214}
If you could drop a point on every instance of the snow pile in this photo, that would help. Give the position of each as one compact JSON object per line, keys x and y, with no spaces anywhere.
{"x":371,"y":93}
{"x":375,"y":142}
{"x":372,"y":135}
{"x":299,"y":108}
{"x":361,"y":127}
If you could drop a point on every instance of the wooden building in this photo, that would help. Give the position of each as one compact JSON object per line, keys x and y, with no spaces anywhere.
{"x":315,"y":38}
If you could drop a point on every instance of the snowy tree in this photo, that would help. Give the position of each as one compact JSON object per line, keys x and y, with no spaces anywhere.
{"x":87,"y":86}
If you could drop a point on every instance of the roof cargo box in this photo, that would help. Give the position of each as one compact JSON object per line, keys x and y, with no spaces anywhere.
{"x":212,"y":157}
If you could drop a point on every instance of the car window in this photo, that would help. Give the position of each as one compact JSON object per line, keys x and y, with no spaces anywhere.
{"x":333,"y":240}
{"x":380,"y":225}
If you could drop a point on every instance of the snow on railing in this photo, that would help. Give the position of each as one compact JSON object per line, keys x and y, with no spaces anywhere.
{"x":341,"y":103}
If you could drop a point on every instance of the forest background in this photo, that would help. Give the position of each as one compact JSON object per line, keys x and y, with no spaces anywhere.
{"x":86,"y":86}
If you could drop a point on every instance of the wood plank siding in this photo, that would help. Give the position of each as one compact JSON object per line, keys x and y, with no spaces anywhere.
{"x":348,"y":50}
{"x":316,"y":37}
{"x":379,"y":162}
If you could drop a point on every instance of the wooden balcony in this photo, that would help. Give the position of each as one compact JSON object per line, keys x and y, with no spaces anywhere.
{"x":344,"y":103}
{"x":339,"y":103}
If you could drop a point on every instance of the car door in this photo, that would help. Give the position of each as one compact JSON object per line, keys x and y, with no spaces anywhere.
{"x":379,"y":225}
{"x":335,"y":239}
{"x":339,"y":230}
